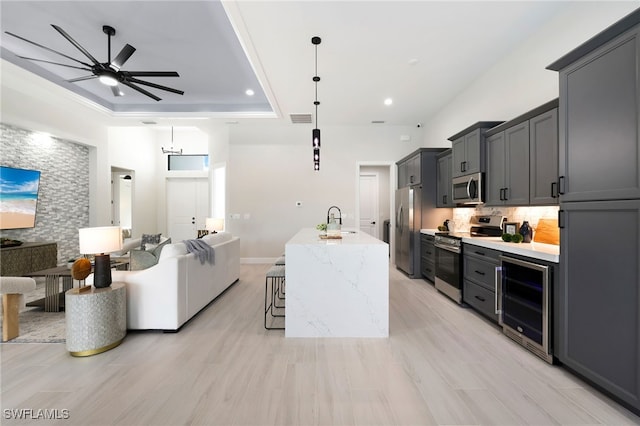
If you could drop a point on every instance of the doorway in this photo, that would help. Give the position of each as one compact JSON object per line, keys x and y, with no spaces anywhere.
{"x":187,"y":207}
{"x":367,"y":173}
{"x":122,"y":198}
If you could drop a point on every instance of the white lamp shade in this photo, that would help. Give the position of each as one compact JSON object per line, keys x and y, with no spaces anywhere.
{"x":214,"y":224}
{"x":103,"y":239}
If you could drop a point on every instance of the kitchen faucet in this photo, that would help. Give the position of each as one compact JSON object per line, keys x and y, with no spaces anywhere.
{"x":339,"y":212}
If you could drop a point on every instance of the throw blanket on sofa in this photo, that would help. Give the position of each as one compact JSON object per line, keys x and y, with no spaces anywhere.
{"x":203,"y":250}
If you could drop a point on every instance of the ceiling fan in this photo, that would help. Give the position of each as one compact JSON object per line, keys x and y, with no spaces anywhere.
{"x":109,"y":73}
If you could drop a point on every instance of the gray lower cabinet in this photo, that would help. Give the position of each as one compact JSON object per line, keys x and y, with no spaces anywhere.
{"x":479,"y":271}
{"x":598,"y":309}
{"x":543,"y":157}
{"x":444,"y":180}
{"x":428,"y":257}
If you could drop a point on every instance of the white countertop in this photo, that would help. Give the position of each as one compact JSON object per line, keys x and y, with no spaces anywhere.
{"x":312,"y":236}
{"x":540,"y":251}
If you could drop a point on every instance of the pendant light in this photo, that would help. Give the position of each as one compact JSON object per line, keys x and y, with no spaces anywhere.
{"x":315,"y":133}
{"x":171,"y":150}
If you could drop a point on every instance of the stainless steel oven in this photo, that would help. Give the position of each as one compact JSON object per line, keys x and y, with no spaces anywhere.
{"x":449,"y":266}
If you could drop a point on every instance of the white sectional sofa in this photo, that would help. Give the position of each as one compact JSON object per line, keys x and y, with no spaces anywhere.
{"x":168,"y":294}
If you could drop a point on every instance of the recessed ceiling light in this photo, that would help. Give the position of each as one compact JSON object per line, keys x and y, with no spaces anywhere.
{"x":249,"y":92}
{"x":388,"y":101}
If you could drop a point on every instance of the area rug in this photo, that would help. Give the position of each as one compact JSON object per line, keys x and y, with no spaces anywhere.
{"x":38,"y":326}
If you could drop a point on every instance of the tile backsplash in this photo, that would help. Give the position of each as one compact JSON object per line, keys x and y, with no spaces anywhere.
{"x":461,"y":216}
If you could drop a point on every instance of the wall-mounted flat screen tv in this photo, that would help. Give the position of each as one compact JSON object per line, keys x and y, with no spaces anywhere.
{"x":18,"y":197}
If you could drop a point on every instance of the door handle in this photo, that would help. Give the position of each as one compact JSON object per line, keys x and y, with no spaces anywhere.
{"x":373,"y":223}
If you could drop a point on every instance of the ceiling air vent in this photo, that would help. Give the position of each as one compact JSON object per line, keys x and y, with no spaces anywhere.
{"x":149,"y":122}
{"x":300,"y":118}
{"x":377,"y":122}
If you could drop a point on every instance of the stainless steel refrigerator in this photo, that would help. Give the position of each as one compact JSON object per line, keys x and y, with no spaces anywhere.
{"x":405,"y":231}
{"x":415,"y":210}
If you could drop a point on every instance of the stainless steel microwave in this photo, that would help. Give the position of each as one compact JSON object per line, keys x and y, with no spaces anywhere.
{"x":468,"y":189}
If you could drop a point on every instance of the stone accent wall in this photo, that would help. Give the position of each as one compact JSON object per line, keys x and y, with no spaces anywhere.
{"x":63,"y":196}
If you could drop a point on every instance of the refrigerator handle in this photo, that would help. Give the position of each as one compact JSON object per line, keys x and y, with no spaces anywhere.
{"x":399,"y":218}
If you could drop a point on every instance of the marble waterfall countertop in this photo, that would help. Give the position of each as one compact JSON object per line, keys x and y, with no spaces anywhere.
{"x":336,"y":287}
{"x":534,"y":250}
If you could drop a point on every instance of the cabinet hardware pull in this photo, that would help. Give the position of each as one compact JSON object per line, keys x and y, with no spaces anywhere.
{"x":479,"y":272}
{"x":561,"y":185}
{"x":506,"y":196}
{"x":479,"y":253}
{"x":560,"y":219}
{"x":482,"y":299}
{"x":461,"y":166}
{"x":498,"y":293}
{"x":554,"y":193}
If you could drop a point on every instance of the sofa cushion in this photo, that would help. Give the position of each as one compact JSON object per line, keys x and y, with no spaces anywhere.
{"x":172,"y":250}
{"x":150,"y":239}
{"x":217,"y":238}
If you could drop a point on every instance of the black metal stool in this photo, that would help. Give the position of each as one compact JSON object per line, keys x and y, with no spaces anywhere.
{"x":273,"y":289}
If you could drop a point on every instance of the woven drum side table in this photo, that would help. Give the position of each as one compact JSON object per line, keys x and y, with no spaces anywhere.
{"x":96,"y":320}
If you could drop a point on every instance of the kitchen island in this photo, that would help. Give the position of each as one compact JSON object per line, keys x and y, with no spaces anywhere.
{"x":336,"y":287}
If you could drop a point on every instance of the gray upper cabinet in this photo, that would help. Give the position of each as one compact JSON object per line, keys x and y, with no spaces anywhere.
{"x":495,"y":176}
{"x":522,"y":159}
{"x":409,"y":171}
{"x":543,"y":145}
{"x":468,"y":150}
{"x":444,"y":166}
{"x":508,"y":166}
{"x":599,"y":126}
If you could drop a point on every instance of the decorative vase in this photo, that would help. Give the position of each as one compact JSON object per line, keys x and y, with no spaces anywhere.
{"x":526,"y":232}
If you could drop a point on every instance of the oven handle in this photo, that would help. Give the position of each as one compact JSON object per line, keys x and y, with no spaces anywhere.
{"x":498,"y":293}
{"x":447,"y":248}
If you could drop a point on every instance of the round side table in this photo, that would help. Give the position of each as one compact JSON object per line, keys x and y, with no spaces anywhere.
{"x":96,"y":320}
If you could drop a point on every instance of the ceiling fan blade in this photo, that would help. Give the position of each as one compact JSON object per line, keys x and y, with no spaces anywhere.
{"x":89,"y":77}
{"x":141,"y":90}
{"x":155,"y":86}
{"x":151,"y":73}
{"x":46,"y":48}
{"x":77,"y":45}
{"x":122,"y":57}
{"x":116,"y":91}
{"x":54,"y":63}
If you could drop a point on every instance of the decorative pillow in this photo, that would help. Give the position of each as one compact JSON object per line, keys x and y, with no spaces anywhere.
{"x":143,"y":259}
{"x":140,"y":259}
{"x":149,"y":239}
{"x":158,"y":249}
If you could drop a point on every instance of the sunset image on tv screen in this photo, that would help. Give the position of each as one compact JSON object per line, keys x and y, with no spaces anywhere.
{"x":18,"y":197}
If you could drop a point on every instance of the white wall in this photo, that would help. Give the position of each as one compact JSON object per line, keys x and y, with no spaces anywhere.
{"x":270,"y":168}
{"x":520,"y":81}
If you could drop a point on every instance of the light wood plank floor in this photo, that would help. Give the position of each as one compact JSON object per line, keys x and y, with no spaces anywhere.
{"x":442,"y":364}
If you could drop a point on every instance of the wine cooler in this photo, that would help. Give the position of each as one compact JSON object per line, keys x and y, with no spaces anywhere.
{"x":523,"y":297}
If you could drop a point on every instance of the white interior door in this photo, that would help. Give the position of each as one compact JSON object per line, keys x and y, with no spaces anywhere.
{"x":187,"y":206}
{"x":369,"y":204}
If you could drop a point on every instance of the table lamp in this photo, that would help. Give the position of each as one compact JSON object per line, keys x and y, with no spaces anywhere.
{"x":100,"y":241}
{"x":214,"y":224}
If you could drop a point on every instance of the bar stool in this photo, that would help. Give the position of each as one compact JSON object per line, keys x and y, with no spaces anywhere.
{"x":273,"y":289}
{"x":281,"y":288}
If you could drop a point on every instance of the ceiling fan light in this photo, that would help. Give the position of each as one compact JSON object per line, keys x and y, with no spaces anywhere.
{"x":108,"y":80}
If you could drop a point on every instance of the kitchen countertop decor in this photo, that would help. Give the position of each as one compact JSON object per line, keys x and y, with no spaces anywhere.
{"x":535,"y":250}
